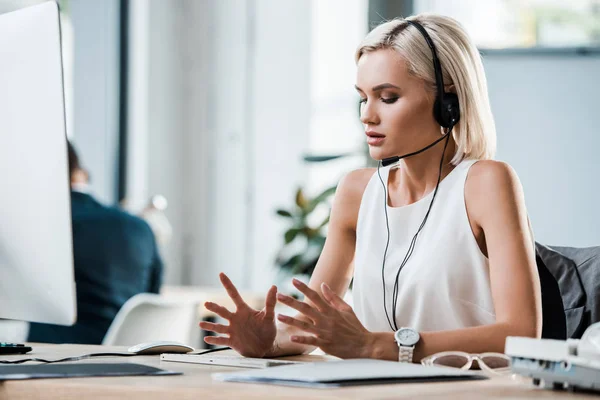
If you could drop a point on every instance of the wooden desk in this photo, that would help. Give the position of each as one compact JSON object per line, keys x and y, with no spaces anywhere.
{"x":197,"y":384}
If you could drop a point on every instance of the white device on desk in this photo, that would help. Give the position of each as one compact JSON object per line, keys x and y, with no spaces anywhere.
{"x":159,"y":348}
{"x":227,"y":360}
{"x":558,"y":364}
{"x":36,"y":259}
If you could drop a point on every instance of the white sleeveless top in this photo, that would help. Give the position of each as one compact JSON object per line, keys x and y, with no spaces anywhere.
{"x":445,"y":284}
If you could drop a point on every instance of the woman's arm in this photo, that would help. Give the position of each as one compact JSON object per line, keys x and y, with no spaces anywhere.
{"x":495,"y":202}
{"x":334,"y":267}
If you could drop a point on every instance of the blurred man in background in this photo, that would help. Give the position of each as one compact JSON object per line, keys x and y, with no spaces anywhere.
{"x":115,"y":256}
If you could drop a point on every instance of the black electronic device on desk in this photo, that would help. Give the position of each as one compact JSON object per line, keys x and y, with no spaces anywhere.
{"x":13,"y":348}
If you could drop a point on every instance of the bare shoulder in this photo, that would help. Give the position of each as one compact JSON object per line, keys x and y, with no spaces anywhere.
{"x":354,"y":183}
{"x":489,"y":177}
{"x":491,"y":184}
{"x":348,"y":195}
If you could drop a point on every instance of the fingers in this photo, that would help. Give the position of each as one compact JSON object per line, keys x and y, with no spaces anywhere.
{"x":310,"y":340}
{"x":333,"y":299}
{"x":305,"y":326}
{"x":219,"y":310}
{"x":218,"y":340}
{"x":300,"y":306}
{"x":232,"y":291}
{"x":218,"y":328}
{"x":313,"y":296}
{"x":270,"y":303}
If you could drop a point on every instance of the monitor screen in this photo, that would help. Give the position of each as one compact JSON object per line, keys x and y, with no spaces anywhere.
{"x":36,"y":255}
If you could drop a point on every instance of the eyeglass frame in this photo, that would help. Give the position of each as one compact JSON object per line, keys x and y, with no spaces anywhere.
{"x":430,"y":360}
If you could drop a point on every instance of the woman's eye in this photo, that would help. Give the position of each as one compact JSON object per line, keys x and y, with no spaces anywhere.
{"x":362,"y":101}
{"x":389,"y":100}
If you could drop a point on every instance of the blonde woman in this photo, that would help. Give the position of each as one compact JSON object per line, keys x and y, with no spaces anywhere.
{"x":438,"y":242}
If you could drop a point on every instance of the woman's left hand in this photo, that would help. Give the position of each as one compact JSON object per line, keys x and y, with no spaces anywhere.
{"x":332,"y":324}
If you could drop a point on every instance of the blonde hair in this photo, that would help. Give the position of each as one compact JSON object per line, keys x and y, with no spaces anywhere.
{"x":462,"y":68}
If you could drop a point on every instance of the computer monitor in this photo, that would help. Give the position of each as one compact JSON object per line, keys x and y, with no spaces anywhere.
{"x":36,"y":250}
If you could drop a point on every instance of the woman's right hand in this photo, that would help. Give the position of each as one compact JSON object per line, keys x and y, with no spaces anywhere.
{"x":250,"y":332}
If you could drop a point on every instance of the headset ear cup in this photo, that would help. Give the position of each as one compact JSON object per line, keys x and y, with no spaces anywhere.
{"x":447,"y":111}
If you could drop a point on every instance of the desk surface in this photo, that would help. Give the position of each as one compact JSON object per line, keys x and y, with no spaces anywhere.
{"x":196,"y":383}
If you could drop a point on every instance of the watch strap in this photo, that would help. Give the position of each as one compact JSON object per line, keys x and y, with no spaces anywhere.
{"x":405,"y":353}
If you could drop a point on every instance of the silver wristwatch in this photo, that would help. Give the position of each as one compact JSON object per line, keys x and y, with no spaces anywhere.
{"x":406,"y":338}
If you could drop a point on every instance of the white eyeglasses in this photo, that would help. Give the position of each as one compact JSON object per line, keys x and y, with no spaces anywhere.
{"x":497,"y":363}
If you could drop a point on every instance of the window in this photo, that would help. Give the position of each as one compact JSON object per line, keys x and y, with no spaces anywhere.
{"x":498,"y":24}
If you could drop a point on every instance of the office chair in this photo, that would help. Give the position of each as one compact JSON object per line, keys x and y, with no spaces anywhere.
{"x":150,"y":317}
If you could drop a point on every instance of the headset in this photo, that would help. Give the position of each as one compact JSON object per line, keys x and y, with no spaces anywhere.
{"x":446,"y":112}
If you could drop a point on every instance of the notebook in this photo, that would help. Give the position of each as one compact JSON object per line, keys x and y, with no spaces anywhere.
{"x":76,"y":370}
{"x":348,"y":372}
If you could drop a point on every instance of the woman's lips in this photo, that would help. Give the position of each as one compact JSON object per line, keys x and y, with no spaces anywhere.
{"x":374,"y":138}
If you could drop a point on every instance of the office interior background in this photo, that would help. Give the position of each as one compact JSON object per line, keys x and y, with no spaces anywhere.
{"x":217,"y":104}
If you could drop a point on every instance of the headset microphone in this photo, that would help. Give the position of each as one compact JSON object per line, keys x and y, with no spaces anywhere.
{"x":391,"y":160}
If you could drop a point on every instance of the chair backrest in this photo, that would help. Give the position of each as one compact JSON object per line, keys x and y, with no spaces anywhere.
{"x":568,"y":277}
{"x":149,"y":317}
{"x":587,"y":260}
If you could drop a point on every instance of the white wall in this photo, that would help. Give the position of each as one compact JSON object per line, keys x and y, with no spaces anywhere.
{"x":220,"y":148}
{"x":226,"y":120}
{"x":545,"y":107}
{"x":281,"y":123}
{"x":165,"y":140}
{"x":96,"y":91}
{"x":138,"y":118}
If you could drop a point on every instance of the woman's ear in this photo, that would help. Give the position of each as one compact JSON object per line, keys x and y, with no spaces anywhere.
{"x":451,"y":88}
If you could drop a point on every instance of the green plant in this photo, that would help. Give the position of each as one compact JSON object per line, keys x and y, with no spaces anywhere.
{"x":64,"y":6}
{"x":303,"y":241}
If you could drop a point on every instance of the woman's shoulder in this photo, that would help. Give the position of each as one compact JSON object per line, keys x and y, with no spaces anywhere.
{"x":489,"y":185}
{"x":354,"y":183}
{"x":491,"y":173}
{"x":348,"y":196}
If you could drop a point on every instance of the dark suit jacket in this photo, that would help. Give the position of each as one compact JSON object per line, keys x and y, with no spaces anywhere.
{"x":115,"y":257}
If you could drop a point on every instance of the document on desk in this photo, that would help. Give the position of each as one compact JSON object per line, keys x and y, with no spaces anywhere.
{"x":348,"y":372}
{"x":226,"y":360}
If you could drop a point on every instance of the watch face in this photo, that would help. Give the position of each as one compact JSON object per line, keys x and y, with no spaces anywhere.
{"x":407,"y":336}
